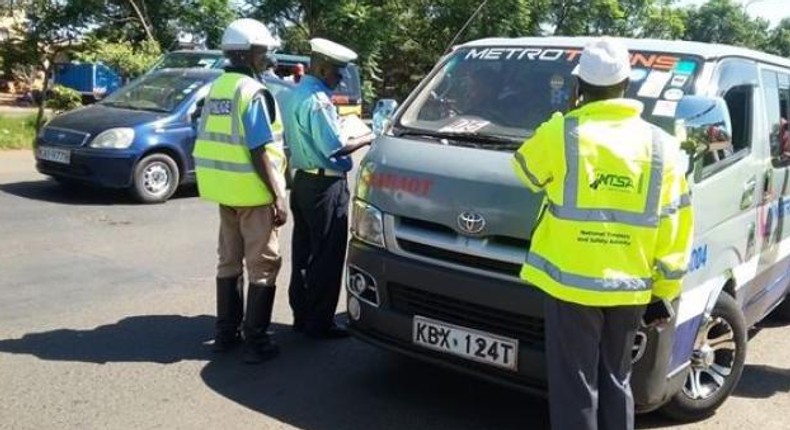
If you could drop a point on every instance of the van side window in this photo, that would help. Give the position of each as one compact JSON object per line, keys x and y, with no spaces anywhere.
{"x":776,"y":87}
{"x":736,"y":85}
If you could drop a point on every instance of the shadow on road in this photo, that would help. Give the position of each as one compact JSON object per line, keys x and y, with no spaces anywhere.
{"x":52,"y":192}
{"x":315,"y":385}
{"x":153,"y":338}
{"x":346,"y":384}
{"x":761,"y":382}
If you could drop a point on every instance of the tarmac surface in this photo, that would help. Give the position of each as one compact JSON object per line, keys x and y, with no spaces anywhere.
{"x":106,"y":307}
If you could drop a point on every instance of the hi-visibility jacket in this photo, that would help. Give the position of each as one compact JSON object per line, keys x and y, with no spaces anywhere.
{"x":223,"y":163}
{"x":617,"y":223}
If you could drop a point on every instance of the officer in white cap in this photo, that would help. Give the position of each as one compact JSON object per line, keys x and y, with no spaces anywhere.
{"x":617,"y":197}
{"x":319,"y":194}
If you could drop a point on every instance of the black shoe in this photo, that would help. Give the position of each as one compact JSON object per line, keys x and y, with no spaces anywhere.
{"x":298,"y":326}
{"x":259,"y":351}
{"x":334,"y":331}
{"x":225,"y":343}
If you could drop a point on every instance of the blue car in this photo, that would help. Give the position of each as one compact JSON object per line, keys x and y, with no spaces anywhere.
{"x":139,"y":138}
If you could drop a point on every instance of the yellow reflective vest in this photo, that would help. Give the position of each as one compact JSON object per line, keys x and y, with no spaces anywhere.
{"x":617,"y":225}
{"x":223,"y":163}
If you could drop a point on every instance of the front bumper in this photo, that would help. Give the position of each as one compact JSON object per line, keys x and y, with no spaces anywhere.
{"x":100,"y":167}
{"x":406,"y":287}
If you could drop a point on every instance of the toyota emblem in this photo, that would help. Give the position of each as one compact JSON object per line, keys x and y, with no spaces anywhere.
{"x":471,"y":222}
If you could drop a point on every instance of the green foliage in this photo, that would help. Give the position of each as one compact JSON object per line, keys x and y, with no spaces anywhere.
{"x":62,"y":99}
{"x":126,"y":58}
{"x":726,"y":21}
{"x":17,"y":132}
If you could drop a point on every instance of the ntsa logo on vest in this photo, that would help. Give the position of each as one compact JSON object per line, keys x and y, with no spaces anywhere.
{"x":638,"y":59}
{"x":615,"y":182}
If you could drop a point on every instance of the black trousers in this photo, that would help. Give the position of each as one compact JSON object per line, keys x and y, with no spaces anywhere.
{"x":588,"y":358}
{"x":320,"y":211}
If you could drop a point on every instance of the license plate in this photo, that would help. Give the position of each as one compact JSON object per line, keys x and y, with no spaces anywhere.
{"x":471,"y":344}
{"x":56,"y":155}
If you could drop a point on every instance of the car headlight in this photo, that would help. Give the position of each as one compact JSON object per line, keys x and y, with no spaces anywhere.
{"x":114,"y":138}
{"x":367,"y":224}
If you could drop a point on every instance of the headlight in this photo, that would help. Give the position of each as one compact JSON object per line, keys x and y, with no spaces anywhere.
{"x":367,"y":224}
{"x":114,"y":138}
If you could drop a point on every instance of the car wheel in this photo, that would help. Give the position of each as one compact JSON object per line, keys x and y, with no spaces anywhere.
{"x":156,"y":178}
{"x":716,"y":363}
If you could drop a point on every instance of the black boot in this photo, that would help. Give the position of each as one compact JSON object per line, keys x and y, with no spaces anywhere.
{"x":230,"y":308}
{"x":258,"y":346}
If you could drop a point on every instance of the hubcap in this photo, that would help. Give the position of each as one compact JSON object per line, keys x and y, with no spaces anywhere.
{"x":712,"y":359}
{"x":156,"y":178}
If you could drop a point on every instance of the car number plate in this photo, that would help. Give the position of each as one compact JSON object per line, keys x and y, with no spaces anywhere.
{"x":56,"y":155}
{"x":471,"y":344}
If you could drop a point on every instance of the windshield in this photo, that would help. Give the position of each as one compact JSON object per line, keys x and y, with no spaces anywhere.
{"x":156,"y":93}
{"x":349,"y":86}
{"x":503,"y":94}
{"x":189,"y":60}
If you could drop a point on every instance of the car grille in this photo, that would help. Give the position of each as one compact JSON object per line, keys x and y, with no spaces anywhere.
{"x":467,"y":260}
{"x":64,"y":137}
{"x":412,"y":301}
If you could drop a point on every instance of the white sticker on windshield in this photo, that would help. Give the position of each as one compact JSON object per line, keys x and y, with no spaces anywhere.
{"x":678,"y":80}
{"x":464,"y":126}
{"x":654,"y":84}
{"x":665,"y":108}
{"x":673,"y":94}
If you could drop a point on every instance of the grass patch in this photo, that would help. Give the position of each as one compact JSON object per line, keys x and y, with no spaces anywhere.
{"x":17,"y":132}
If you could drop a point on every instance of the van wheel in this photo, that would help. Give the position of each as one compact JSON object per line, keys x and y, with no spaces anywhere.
{"x":156,"y":178}
{"x":716,"y":363}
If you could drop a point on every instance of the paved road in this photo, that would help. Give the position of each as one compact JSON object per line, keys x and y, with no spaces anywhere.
{"x":105,"y":306}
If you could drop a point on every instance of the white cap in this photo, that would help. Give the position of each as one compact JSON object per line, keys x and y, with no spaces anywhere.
{"x":244,"y":33}
{"x":604,"y":62}
{"x":334,"y":51}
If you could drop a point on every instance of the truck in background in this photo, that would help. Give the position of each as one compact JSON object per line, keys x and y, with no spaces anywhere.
{"x":93,"y":81}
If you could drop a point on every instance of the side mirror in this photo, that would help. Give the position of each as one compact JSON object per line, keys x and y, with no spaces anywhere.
{"x":195,"y":111}
{"x":382,"y":115}
{"x":703,"y":126}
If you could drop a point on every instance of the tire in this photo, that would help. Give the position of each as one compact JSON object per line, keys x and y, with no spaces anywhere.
{"x":716,"y":367}
{"x":156,"y":178}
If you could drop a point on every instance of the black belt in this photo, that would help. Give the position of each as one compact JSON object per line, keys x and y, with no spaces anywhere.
{"x":324,"y":172}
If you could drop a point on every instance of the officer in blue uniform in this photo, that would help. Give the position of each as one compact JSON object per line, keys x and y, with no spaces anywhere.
{"x":319,"y":195}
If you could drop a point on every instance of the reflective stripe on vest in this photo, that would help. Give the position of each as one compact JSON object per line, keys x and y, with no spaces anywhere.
{"x":570,"y":209}
{"x":223,"y":163}
{"x":596,"y":283}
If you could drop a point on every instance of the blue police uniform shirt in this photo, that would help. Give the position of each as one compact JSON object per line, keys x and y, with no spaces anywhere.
{"x":312,"y":127}
{"x":257,"y":127}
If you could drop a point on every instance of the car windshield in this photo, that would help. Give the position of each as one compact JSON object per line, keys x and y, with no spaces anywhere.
{"x":156,"y":92}
{"x":349,"y":86}
{"x":496,"y":95}
{"x":189,"y":60}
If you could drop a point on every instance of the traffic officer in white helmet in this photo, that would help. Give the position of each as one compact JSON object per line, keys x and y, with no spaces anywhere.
{"x":240,"y":165}
{"x":603,"y":251}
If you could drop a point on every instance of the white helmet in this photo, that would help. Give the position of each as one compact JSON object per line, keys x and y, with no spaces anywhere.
{"x":244,"y":33}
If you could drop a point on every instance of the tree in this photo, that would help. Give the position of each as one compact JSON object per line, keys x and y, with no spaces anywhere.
{"x":724,"y":21}
{"x":53,"y":26}
{"x":126,"y":58}
{"x":779,"y":40}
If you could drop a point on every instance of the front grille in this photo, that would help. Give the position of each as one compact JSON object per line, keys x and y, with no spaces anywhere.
{"x":472,"y":261}
{"x":64,"y":137}
{"x":412,"y":301}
